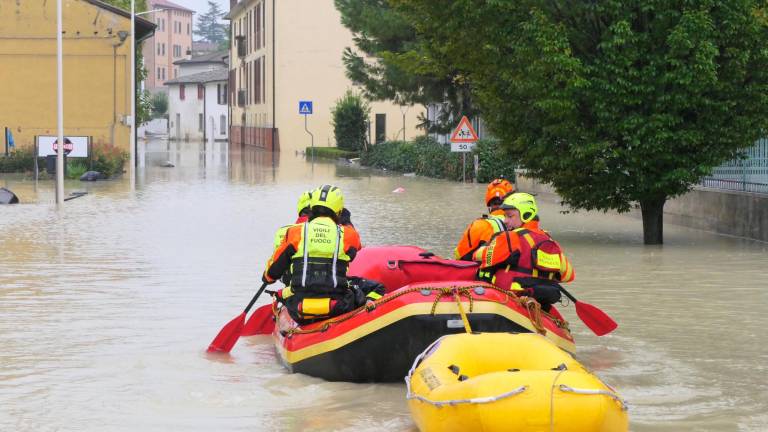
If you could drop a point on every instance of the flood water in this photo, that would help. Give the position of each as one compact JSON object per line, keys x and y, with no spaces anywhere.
{"x":106,"y":309}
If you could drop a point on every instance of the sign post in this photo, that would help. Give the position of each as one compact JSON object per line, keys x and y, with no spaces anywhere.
{"x":305,"y":109}
{"x":463,"y":140}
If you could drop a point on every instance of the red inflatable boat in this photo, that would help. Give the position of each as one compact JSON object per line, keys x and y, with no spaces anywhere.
{"x":424,"y":296}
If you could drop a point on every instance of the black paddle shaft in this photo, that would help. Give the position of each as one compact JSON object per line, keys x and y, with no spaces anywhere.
{"x":258,"y":293}
{"x":567,"y":294}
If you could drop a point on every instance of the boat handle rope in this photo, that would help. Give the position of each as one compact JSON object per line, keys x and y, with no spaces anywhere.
{"x":614,"y":396}
{"x":480,"y":400}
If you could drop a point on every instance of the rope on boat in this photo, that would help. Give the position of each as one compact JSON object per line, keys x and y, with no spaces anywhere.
{"x":531,"y":305}
{"x":614,"y":396}
{"x":451,"y":402}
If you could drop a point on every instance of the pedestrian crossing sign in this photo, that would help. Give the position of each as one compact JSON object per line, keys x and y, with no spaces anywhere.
{"x":305,"y":107}
{"x":464,"y":132}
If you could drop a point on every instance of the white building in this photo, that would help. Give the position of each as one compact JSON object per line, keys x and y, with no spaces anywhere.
{"x":197,"y":106}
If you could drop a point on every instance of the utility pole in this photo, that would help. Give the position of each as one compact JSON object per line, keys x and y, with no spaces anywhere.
{"x":59,"y":109}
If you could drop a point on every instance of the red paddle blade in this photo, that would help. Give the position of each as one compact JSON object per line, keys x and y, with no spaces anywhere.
{"x":228,"y":336}
{"x":594,"y":318}
{"x":260,"y":322}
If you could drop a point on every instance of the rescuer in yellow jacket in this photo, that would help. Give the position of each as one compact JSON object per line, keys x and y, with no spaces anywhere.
{"x":317,"y":254}
{"x":525,"y":257}
{"x":480,"y":231}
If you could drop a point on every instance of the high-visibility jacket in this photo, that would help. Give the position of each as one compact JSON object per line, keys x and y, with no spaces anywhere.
{"x":280,"y":234}
{"x":317,"y":253}
{"x":524,"y":254}
{"x":479,"y":233}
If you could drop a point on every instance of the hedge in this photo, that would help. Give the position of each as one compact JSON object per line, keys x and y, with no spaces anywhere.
{"x":330,"y":153}
{"x":425,"y":156}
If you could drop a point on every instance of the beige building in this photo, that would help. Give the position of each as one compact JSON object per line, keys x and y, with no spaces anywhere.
{"x":96,"y":70}
{"x":172,"y":40}
{"x":307,"y":48}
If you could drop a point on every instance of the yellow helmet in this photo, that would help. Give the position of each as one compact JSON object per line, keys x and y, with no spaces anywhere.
{"x":523,"y":202}
{"x":328,"y":196}
{"x":304,"y":201}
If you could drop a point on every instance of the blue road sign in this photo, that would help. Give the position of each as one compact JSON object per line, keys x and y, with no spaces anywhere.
{"x":305,"y":107}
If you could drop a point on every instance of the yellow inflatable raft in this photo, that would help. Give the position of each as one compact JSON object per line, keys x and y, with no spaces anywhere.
{"x":508,"y":382}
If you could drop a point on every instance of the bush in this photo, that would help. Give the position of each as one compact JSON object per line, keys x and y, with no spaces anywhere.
{"x":330,"y":153}
{"x":108,"y":159}
{"x":76,"y":168}
{"x":350,"y":122}
{"x":425,"y":156}
{"x":21,"y":160}
{"x":495,"y":161}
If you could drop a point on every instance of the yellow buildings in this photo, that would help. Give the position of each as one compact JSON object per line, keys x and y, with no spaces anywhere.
{"x":96,"y":69}
{"x":308,"y":43}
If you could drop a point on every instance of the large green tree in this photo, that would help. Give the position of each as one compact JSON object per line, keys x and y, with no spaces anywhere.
{"x":387,"y":62}
{"x":616,"y":102}
{"x":209,"y":25}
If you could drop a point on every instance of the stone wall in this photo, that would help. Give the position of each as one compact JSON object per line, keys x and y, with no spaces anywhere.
{"x":741,"y":214}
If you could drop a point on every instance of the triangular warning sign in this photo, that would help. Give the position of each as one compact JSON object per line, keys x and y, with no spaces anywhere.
{"x":464,"y":132}
{"x":305,"y":109}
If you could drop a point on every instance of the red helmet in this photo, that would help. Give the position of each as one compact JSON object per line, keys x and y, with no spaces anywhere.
{"x":498,"y":188}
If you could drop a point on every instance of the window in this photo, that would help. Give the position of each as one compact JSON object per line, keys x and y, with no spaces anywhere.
{"x":200,"y":91}
{"x":257,"y":81}
{"x":158,"y":49}
{"x":381,"y":128}
{"x":158,"y":73}
{"x":181,"y":92}
{"x":223,"y":122}
{"x":163,"y":69}
{"x":187,"y":28}
{"x":200,"y":122}
{"x":176,"y":51}
{"x":221,"y":94}
{"x":163,"y":48}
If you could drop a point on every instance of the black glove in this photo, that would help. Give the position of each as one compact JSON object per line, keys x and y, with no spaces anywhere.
{"x":345,"y":218}
{"x":264,"y":280}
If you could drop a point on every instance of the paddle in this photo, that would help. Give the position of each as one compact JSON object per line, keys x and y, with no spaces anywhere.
{"x":594,"y":318}
{"x":230,"y":333}
{"x":260,"y":322}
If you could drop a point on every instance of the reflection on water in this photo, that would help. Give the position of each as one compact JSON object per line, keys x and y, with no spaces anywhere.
{"x":106,"y":308}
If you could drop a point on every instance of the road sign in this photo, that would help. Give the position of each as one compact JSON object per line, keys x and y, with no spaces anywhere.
{"x":464,"y":137}
{"x":464,"y":132}
{"x":462,"y":147}
{"x":305,"y":107}
{"x":74,"y":146}
{"x":68,"y":146}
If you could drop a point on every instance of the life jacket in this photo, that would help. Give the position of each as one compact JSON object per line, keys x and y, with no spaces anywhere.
{"x":478,"y":233}
{"x":540,"y":259}
{"x":319,"y":266}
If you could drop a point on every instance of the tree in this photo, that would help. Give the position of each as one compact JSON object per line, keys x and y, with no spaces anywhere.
{"x":350,"y":122}
{"x":613,"y":103}
{"x":209,"y":25}
{"x":159,"y":103}
{"x":388,"y":64}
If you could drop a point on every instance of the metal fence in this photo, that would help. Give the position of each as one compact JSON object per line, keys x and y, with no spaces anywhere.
{"x":749,"y":174}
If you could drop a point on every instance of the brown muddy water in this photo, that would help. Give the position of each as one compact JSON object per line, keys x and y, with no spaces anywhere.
{"x":107,"y":307}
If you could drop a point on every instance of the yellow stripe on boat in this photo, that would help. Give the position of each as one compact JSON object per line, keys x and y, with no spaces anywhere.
{"x":414,"y":309}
